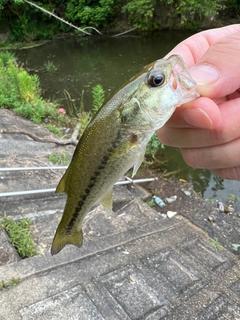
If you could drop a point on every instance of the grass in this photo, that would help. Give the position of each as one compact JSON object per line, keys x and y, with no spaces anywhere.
{"x":54,"y":129}
{"x":20,"y":236}
{"x":9,"y":284}
{"x":215,"y":243}
{"x":61,"y":158}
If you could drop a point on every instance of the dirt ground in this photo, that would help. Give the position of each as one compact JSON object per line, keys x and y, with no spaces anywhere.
{"x":222,"y":223}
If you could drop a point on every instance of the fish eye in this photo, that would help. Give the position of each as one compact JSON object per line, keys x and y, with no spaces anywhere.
{"x":156,"y":79}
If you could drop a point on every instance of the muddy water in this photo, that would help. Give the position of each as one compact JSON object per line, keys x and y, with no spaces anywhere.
{"x":81,"y":63}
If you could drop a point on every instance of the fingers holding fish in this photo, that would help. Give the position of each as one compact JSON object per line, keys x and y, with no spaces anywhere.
{"x":213,"y":158}
{"x":227,"y":119}
{"x":207,"y":130}
{"x":202,"y":113}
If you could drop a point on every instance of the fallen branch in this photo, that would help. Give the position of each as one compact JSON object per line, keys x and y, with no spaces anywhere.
{"x":62,"y":20}
{"x":125,"y":32}
{"x":73,"y":140}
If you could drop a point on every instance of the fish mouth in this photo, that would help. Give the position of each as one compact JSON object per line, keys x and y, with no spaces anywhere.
{"x":182,"y":83}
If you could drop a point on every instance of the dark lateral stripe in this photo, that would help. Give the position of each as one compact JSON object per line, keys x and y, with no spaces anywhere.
{"x":90,"y":185}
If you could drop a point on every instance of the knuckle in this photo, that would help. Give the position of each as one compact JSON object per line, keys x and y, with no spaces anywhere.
{"x":193,"y":157}
{"x":164,"y":135}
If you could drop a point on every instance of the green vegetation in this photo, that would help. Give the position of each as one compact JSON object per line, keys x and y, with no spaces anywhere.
{"x":8,"y":284}
{"x":21,"y":92}
{"x":92,"y":13}
{"x":98,"y":97}
{"x":29,"y":23}
{"x":151,"y":202}
{"x":54,"y":129}
{"x":153,"y":146}
{"x":50,"y":66}
{"x":215,"y":243}
{"x":20,"y":236}
{"x":140,"y":13}
{"x":18,"y":89}
{"x":232,"y":197}
{"x":79,"y":112}
{"x":61,"y":158}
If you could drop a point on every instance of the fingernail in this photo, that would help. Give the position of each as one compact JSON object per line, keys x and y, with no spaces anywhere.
{"x":205,"y":74}
{"x":197,"y":118}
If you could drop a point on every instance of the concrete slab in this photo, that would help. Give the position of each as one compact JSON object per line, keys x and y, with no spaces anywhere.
{"x":7,"y":253}
{"x":163,"y":269}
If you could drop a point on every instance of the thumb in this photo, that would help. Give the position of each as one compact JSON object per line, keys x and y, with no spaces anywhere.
{"x":217,"y":73}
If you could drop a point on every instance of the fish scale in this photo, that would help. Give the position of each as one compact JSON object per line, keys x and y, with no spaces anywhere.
{"x":115,"y":141}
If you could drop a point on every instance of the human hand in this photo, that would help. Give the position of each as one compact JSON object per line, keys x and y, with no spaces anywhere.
{"x":207,"y":130}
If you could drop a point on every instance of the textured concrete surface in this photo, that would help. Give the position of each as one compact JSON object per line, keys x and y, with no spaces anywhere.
{"x":134,"y":264}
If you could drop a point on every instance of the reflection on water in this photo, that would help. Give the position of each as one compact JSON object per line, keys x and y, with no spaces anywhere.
{"x":85,"y":62}
{"x":203,"y":181}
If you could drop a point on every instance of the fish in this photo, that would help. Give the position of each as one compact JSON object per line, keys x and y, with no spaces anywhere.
{"x":115,"y":141}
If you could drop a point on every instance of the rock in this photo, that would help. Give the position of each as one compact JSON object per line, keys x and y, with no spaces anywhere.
{"x":171,"y":214}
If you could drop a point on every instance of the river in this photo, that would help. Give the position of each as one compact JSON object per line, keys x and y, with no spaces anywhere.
{"x":81,"y":63}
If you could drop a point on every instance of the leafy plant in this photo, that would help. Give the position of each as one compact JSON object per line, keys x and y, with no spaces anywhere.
{"x":50,"y":66}
{"x":93,"y":13}
{"x":98,"y":97}
{"x":20,"y":236}
{"x":151,"y":202}
{"x":153,"y":146}
{"x":21,"y":92}
{"x":190,"y":8}
{"x":141,"y":13}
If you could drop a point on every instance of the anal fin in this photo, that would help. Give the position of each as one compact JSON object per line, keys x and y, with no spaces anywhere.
{"x":107,"y":200}
{"x":61,"y":187}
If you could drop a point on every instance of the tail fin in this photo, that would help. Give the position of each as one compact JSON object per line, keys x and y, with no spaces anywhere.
{"x":61,"y":239}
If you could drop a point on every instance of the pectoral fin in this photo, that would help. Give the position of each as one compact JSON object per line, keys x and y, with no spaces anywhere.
{"x":138,"y":163}
{"x":107,"y":200}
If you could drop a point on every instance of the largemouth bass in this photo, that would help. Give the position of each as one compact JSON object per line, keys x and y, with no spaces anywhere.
{"x":115,"y":141}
